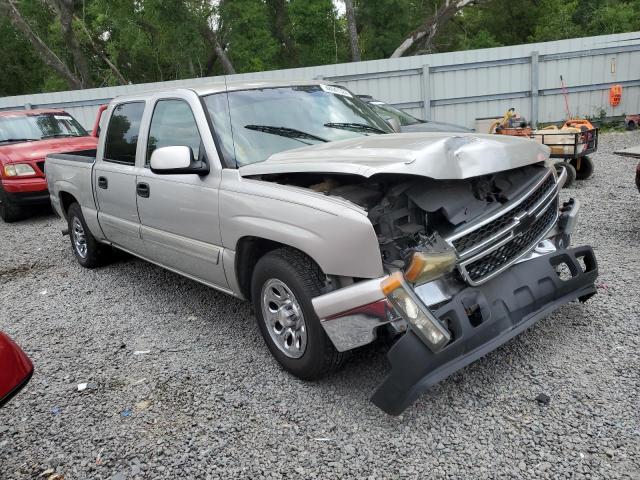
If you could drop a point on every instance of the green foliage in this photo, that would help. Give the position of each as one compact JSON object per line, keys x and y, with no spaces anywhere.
{"x":246,"y":29}
{"x":155,"y":40}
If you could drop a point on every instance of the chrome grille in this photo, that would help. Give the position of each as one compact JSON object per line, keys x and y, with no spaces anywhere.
{"x":492,"y":245}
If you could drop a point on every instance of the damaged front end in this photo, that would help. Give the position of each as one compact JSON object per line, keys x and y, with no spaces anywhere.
{"x":471,"y":264}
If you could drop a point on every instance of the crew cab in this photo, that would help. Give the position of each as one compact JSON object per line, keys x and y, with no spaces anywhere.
{"x":299,"y":198}
{"x":26,"y":137}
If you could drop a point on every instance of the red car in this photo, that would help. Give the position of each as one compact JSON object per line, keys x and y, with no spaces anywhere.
{"x":15,"y":369}
{"x":26,"y":138}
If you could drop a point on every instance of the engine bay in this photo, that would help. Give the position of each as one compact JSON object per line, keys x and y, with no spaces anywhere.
{"x":411,"y":213}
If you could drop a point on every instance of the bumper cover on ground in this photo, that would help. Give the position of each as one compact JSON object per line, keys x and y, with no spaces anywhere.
{"x":483,"y":318}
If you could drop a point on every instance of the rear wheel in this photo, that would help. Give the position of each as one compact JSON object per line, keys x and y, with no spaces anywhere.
{"x":583,"y":166}
{"x":284,"y":282}
{"x":87,"y":250}
{"x":9,"y":212}
{"x":631,"y":125}
{"x":571,"y":174}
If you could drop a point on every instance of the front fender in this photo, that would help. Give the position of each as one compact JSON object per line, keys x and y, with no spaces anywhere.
{"x":338,"y":237}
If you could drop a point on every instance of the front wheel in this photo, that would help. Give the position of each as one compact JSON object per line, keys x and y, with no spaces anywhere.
{"x":284,"y":282}
{"x":88,"y":251}
{"x":9,"y":212}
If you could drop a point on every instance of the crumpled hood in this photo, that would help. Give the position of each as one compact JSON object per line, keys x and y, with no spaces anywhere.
{"x":19,"y":152}
{"x":439,"y":156}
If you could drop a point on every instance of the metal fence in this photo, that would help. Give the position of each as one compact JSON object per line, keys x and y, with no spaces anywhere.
{"x":455,"y":87}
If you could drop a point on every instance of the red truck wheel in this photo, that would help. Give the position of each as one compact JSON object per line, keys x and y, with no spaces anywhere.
{"x":8,"y":211}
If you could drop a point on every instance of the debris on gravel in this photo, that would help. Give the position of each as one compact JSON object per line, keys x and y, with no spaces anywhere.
{"x":186,"y":388}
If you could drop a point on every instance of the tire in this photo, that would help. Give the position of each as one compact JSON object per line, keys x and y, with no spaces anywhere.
{"x":571,"y":174}
{"x":631,"y":125}
{"x":88,"y":251}
{"x":9,"y":212}
{"x":283,"y":283}
{"x":586,"y":167}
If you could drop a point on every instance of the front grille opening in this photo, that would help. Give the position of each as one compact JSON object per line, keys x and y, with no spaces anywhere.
{"x":586,"y":263}
{"x":474,"y":314}
{"x":449,"y":324}
{"x":564,"y":271}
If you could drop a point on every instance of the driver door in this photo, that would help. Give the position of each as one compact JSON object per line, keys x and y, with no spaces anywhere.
{"x":179,"y":212}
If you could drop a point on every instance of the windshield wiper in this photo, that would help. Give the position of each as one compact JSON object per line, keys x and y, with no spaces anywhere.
{"x":6,"y":140}
{"x":357,"y":127}
{"x":285,"y":132}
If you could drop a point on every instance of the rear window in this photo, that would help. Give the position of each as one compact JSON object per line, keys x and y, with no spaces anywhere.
{"x":122,"y":133}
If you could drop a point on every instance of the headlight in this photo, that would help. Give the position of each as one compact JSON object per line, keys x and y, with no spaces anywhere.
{"x":18,"y":170}
{"x":425,"y":267}
{"x":424,"y":323}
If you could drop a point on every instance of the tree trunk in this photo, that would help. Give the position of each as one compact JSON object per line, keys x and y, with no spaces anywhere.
{"x":64,"y":9}
{"x":227,"y":66}
{"x":429,"y":29}
{"x":101,"y":54}
{"x":47,"y":55}
{"x":353,"y":31}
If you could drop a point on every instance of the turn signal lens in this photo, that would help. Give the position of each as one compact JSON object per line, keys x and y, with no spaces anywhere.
{"x":18,"y":170}
{"x":425,"y":267}
{"x":391,"y":283}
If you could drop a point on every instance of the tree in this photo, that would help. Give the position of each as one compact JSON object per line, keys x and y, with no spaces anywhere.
{"x":46,"y":54}
{"x":427,"y":32}
{"x":353,"y":31}
{"x":64,"y":12}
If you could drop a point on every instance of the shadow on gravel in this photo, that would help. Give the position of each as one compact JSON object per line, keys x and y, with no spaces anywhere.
{"x":12,"y":273}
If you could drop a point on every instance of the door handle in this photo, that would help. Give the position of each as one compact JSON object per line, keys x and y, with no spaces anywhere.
{"x":103,"y":182}
{"x":143,"y":190}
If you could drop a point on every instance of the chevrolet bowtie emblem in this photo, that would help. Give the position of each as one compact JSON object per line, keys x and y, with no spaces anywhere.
{"x":523,"y":223}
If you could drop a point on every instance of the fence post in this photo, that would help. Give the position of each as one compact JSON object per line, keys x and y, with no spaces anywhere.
{"x":426,"y":92}
{"x":535,"y":76}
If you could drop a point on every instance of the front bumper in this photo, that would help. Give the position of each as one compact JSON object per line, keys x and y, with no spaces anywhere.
{"x":483,"y":318}
{"x":26,"y":191}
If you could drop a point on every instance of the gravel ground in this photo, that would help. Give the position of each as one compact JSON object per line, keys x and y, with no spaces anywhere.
{"x":208,"y":401}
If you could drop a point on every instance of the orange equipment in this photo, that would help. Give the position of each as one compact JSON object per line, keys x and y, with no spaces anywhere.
{"x":511,"y":124}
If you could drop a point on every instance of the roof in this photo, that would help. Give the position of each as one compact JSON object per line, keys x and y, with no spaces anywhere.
{"x":22,"y":113}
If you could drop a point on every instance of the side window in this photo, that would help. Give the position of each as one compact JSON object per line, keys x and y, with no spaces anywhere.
{"x":122,"y":133}
{"x":173,"y":124}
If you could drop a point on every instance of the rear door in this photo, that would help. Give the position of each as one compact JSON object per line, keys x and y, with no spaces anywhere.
{"x":179,"y":213}
{"x":115,"y":178}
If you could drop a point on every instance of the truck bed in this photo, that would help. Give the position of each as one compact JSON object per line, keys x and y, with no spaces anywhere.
{"x":71,"y":173}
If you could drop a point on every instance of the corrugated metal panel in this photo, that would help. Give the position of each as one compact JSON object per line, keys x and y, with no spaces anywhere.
{"x":461,"y":85}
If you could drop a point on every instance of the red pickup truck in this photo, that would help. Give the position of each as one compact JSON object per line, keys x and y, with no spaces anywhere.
{"x":26,"y":138}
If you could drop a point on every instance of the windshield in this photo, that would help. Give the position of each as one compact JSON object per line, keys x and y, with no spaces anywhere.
{"x":254,"y":124}
{"x":385,"y":111}
{"x":26,"y":128}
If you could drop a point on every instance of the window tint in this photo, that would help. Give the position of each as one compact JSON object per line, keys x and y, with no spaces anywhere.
{"x":122,"y":134}
{"x":173,"y":124}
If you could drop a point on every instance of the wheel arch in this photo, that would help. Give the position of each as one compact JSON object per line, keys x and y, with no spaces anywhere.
{"x":66,"y":200}
{"x":249,"y":250}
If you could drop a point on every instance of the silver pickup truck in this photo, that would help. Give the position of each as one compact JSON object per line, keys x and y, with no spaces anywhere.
{"x":297,"y":197}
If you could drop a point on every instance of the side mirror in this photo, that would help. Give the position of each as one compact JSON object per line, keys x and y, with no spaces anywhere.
{"x":16,"y":369}
{"x":394,"y":123}
{"x":176,"y":160}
